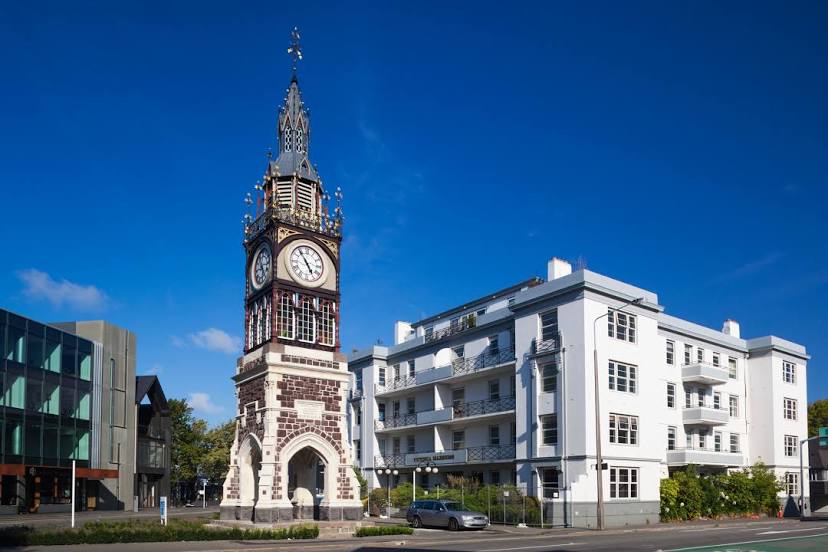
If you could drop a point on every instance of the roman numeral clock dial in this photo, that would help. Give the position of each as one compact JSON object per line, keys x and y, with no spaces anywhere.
{"x":306,"y":263}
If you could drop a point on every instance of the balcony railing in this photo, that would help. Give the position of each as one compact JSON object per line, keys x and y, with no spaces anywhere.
{"x":478,"y":408}
{"x":397,"y":421}
{"x":331,"y":226}
{"x":546,"y":346}
{"x":704,"y":456}
{"x":459,"y":366}
{"x":702,"y":372}
{"x":481,"y":454}
{"x":705,"y":415}
{"x":453,"y":329}
{"x":356,"y":394}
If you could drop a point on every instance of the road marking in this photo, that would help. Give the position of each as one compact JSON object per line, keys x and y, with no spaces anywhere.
{"x":537,"y":546}
{"x":746,"y":542}
{"x":818,"y":528}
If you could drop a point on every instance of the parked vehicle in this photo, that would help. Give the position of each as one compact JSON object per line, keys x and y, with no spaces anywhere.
{"x":444,"y":513}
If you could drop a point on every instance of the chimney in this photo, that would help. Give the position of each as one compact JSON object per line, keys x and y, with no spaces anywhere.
{"x":731,"y":327}
{"x":557,"y":268}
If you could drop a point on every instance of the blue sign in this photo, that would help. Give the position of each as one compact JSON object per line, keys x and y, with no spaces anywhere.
{"x":162,"y":503}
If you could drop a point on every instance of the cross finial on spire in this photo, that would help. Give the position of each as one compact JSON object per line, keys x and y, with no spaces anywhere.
{"x":295,"y":49}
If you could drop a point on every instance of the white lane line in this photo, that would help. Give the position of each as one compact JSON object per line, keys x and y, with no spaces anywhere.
{"x":818,"y":528}
{"x":747,"y":542}
{"x":538,"y":546}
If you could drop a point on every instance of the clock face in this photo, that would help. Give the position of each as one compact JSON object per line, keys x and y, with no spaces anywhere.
{"x":306,"y":263}
{"x":261,"y":266}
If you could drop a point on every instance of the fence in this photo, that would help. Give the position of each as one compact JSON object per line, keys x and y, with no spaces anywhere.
{"x":503,"y":504}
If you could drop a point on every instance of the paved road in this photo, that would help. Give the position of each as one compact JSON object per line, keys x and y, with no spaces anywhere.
{"x":758,"y":536}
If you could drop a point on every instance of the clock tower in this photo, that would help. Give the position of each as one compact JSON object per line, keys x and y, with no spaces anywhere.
{"x":291,"y":457}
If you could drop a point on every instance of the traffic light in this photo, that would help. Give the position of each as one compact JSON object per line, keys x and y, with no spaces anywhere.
{"x":823,"y":437}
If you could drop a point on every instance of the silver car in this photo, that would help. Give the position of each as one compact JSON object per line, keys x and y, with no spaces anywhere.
{"x":444,"y":513}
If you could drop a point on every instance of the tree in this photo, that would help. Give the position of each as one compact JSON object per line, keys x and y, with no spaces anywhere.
{"x":817,"y":416}
{"x":216,"y":458}
{"x":188,"y":438}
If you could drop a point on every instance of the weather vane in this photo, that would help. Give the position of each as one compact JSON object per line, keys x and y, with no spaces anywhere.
{"x":295,"y":49}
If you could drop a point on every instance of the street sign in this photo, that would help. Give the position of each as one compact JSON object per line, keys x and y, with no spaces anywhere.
{"x":823,"y":437}
{"x":163,"y":509}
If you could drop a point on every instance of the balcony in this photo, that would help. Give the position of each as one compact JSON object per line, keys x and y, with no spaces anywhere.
{"x":704,"y":457}
{"x":458,"y":367}
{"x":356,"y":394}
{"x":455,"y":328}
{"x":469,"y":455}
{"x":705,"y":415}
{"x":549,"y":346}
{"x":702,"y":372}
{"x":448,"y":414}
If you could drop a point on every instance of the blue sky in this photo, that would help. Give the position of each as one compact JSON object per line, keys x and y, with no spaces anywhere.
{"x":678,"y":146}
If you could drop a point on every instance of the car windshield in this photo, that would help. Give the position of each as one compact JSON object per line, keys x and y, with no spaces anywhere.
{"x":452,"y":505}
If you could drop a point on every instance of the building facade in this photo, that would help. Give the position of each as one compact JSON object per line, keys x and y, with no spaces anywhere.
{"x":502,"y":390}
{"x":67,"y":393}
{"x":291,"y":457}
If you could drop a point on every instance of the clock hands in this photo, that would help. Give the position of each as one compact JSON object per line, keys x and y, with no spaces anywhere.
{"x":310,"y":270}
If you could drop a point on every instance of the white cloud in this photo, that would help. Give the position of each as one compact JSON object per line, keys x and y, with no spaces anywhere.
{"x":214,"y":339}
{"x":201,"y":403}
{"x":155,"y":369}
{"x":40,"y":286}
{"x":177,"y":341}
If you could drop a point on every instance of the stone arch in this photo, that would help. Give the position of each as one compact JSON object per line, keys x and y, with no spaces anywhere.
{"x":327,"y":450}
{"x":250,"y":462}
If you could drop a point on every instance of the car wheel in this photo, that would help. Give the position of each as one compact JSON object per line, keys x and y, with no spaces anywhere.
{"x":453,"y":526}
{"x":417,"y":523}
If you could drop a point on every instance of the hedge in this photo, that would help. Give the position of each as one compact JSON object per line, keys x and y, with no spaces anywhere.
{"x":687,"y":495}
{"x":147,"y":531}
{"x":383,"y":530}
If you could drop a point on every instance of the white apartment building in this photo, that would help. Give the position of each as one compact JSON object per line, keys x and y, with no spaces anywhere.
{"x":502,"y":389}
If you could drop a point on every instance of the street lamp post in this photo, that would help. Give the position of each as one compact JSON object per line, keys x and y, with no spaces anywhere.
{"x":599,"y":459}
{"x":428,"y":467}
{"x":388,"y":473}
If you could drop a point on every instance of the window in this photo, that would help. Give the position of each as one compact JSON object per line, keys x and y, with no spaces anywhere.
{"x":494,"y":347}
{"x":357,"y":414}
{"x":494,"y":477}
{"x":789,"y":372}
{"x":549,"y":377}
{"x":305,"y":321}
{"x":358,"y":450}
{"x":395,"y":408}
{"x":623,"y":429}
{"x":549,"y":429}
{"x":458,"y":440}
{"x":458,"y":397}
{"x":395,"y":370}
{"x":411,"y":405}
{"x":700,"y":397}
{"x":621,"y":325}
{"x":732,"y":370}
{"x":789,"y":406}
{"x":623,"y":482}
{"x":717,"y":400}
{"x":327,"y":322}
{"x":454,"y":323}
{"x":688,"y":353}
{"x":381,"y":412}
{"x":688,"y":439}
{"x":285,"y":316}
{"x":550,"y":482}
{"x":699,"y":354}
{"x":702,"y":439}
{"x":494,"y":390}
{"x":734,"y":406}
{"x":792,"y":483}
{"x":494,"y":435}
{"x":717,"y":441}
{"x":734,"y":442}
{"x":688,"y":399}
{"x":791,"y":445}
{"x":671,"y":352}
{"x":381,"y":444}
{"x":381,"y":375}
{"x":671,"y":438}
{"x":512,"y":433}
{"x":428,"y":332}
{"x":549,"y":325}
{"x":671,"y":395}
{"x":715,"y":359}
{"x":410,"y":444}
{"x":411,"y":369}
{"x":510,"y":301}
{"x":458,"y":352}
{"x":512,"y":386}
{"x":481,"y":312}
{"x":622,"y":377}
{"x":395,"y":445}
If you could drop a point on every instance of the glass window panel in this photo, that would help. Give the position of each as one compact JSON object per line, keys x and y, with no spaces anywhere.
{"x":82,"y":445}
{"x":82,"y":409}
{"x":33,"y":440}
{"x":67,"y":442}
{"x":13,"y":437}
{"x":68,"y":356}
{"x":15,"y":392}
{"x":34,"y":394}
{"x":85,"y":360}
{"x":51,"y":397}
{"x":67,"y":401}
{"x":16,"y":344}
{"x":35,"y":348}
{"x":51,"y":360}
{"x":50,"y":444}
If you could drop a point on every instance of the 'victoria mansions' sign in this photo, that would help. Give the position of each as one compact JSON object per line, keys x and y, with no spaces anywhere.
{"x":309,"y":410}
{"x":442,"y":457}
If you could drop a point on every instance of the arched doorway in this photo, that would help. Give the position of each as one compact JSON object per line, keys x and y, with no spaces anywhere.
{"x":306,"y":483}
{"x":250,"y":462}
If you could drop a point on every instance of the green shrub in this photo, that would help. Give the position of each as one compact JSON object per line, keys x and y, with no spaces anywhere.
{"x":109,"y":532}
{"x":687,"y":495}
{"x":383,"y":530}
{"x":378,"y":500}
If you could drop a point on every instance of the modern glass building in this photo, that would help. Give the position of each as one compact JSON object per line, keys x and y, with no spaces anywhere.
{"x":46,"y":404}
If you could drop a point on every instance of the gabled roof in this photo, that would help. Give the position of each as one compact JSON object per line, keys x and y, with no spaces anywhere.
{"x":151,"y":386}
